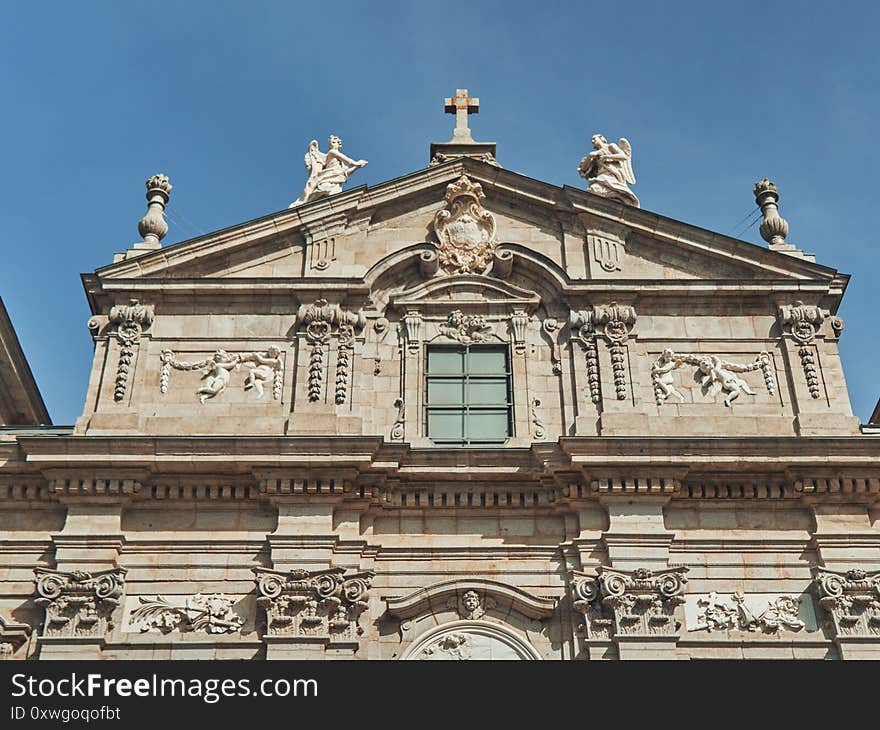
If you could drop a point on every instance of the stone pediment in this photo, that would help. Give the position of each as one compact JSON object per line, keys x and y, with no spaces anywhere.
{"x":468,"y":293}
{"x":343,"y":237}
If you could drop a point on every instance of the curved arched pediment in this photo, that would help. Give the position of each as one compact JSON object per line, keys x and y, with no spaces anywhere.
{"x":492,"y":594}
{"x":465,"y":292}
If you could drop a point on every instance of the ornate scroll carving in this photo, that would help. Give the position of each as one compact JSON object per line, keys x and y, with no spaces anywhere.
{"x":716,"y":613}
{"x":714,"y":375}
{"x":465,"y":230}
{"x":210,"y":613}
{"x":465,"y":328}
{"x":851,"y":598}
{"x":263,"y":368}
{"x":537,"y":423}
{"x":400,"y":421}
{"x":552,"y":327}
{"x":629,"y":602}
{"x":323,"y":603}
{"x":322,"y":321}
{"x":130,"y":320}
{"x":78,"y":603}
{"x":613,"y":322}
{"x":12,"y":636}
{"x":803,"y":322}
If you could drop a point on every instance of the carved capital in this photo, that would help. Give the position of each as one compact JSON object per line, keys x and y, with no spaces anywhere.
{"x":412,"y":324}
{"x":315,"y":604}
{"x":629,"y":602}
{"x":802,"y":321}
{"x":322,"y":321}
{"x":613,"y":322}
{"x":78,"y":603}
{"x":851,"y":598}
{"x":130,"y":320}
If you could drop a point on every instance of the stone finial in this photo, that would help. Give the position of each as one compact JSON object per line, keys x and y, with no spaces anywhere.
{"x":152,"y":226}
{"x":774,"y":229}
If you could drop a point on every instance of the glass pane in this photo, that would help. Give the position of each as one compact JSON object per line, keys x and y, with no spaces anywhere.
{"x":445,"y":361}
{"x":446,"y":425}
{"x":487,"y":361}
{"x":487,"y":425}
{"x":490,"y":390}
{"x":445,"y":392}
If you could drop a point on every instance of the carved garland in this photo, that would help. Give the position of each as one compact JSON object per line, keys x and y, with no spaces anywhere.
{"x":851,"y":598}
{"x":322,"y":321}
{"x":803,"y":322}
{"x":211,"y":613}
{"x":130,"y":320}
{"x":715,"y":375}
{"x":320,"y":603}
{"x":626,"y":602}
{"x":217,"y":369}
{"x":613,"y":322}
{"x":78,"y":603}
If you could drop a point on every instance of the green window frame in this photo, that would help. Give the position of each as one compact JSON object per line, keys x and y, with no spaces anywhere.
{"x":468,"y":395}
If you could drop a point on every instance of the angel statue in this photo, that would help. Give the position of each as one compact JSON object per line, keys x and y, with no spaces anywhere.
{"x":327,"y":171}
{"x":608,"y":169}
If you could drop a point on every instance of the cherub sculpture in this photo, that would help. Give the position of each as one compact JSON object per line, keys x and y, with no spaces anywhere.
{"x":217,"y":375}
{"x":261,"y":369}
{"x":327,"y":171}
{"x":717,"y":375}
{"x":661,"y":374}
{"x":608,"y":169}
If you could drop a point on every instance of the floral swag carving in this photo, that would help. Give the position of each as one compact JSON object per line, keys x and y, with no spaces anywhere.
{"x":465,"y":328}
{"x":713,"y":374}
{"x":263,"y":368}
{"x":465,"y":230}
{"x":323,"y":603}
{"x":78,"y":603}
{"x":613,"y":322}
{"x":851,"y":598}
{"x":210,"y":613}
{"x":716,"y":613}
{"x":629,"y":602}
{"x":323,"y":321}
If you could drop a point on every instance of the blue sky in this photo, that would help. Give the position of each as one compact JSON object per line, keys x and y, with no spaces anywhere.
{"x":224,"y":97}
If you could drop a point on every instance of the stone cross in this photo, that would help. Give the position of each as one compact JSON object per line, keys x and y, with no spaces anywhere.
{"x":461,"y":105}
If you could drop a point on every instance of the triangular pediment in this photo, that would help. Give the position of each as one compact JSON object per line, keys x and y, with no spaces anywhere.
{"x":344,"y":236}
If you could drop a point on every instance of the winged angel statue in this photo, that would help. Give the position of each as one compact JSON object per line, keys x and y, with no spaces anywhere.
{"x":327,"y":170}
{"x":608,"y":169}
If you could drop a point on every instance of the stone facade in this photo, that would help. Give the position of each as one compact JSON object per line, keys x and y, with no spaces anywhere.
{"x":252,"y":476}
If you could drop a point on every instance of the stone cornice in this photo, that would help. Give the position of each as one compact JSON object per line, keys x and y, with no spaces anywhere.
{"x":391,"y":475}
